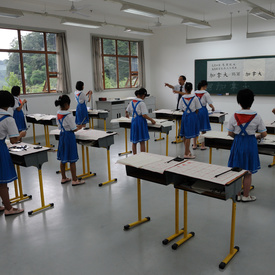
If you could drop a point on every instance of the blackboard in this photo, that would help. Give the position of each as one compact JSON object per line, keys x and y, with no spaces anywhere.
{"x":257,"y":74}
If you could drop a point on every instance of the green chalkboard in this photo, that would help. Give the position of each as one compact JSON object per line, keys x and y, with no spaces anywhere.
{"x":229,"y":75}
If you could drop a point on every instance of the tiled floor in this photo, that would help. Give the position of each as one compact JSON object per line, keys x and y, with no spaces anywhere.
{"x":83,"y":233}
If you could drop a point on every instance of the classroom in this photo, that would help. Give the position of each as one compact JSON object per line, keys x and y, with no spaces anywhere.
{"x":82,"y":230}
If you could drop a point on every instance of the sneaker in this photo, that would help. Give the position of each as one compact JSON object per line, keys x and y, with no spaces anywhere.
{"x":248,"y":199}
{"x":239,"y":198}
{"x":13,"y":211}
{"x":77,"y":182}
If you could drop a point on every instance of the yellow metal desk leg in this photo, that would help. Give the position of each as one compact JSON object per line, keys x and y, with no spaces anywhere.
{"x":109,"y":170}
{"x":186,"y":236}
{"x":210,"y":155}
{"x":19,"y":197}
{"x":177,"y":231}
{"x":233,"y":250}
{"x":178,"y":138}
{"x":140,"y":220}
{"x":43,"y":206}
{"x":88,"y":173}
{"x":222,"y":127}
{"x":147,"y":146}
{"x":273,"y":163}
{"x":126,"y":143}
{"x":104,"y":124}
{"x":160,"y":137}
{"x":167,"y":138}
{"x":33,"y":130}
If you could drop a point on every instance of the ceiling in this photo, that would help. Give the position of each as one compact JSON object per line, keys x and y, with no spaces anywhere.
{"x":109,"y":11}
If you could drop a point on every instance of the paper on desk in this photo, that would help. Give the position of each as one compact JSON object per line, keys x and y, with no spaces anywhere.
{"x":159,"y":122}
{"x":163,"y":111}
{"x":41,"y":116}
{"x":178,"y":113}
{"x":121,"y":119}
{"x":95,"y":112}
{"x":217,"y":134}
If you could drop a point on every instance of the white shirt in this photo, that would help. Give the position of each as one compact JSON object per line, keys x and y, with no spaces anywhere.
{"x":16,"y":102}
{"x":177,"y":88}
{"x":195,"y":104}
{"x":68,"y":122}
{"x":256,"y":125}
{"x":81,"y":96}
{"x":206,"y":98}
{"x":141,"y":108}
{"x":7,"y":126}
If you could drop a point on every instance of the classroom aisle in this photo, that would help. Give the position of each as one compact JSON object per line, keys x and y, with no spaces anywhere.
{"x":83,"y":233}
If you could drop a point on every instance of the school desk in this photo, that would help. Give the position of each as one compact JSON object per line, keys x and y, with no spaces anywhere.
{"x":214,"y":117}
{"x":161,"y":126}
{"x":270,"y":128}
{"x":209,"y":180}
{"x":26,"y":155}
{"x":42,"y":119}
{"x":93,"y":138}
{"x":220,"y":140}
{"x":95,"y":114}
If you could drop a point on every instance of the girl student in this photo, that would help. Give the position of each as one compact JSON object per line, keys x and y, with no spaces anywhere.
{"x":81,"y":115}
{"x":67,"y":148}
{"x":204,"y":99}
{"x":244,"y":151}
{"x":190,"y":106}
{"x":139,"y":128}
{"x":7,"y":172}
{"x":18,"y":114}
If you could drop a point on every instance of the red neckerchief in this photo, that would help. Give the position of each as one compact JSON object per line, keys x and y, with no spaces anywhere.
{"x":243,"y":118}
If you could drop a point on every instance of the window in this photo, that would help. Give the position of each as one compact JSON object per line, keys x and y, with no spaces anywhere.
{"x":119,"y":63}
{"x":28,"y":59}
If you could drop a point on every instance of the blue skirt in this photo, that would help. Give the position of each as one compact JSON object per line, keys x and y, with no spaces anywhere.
{"x":139,"y":130}
{"x":244,"y":153}
{"x":189,"y":125}
{"x":81,"y":114}
{"x":7,"y":171}
{"x":204,"y":119}
{"x":67,"y":148}
{"x":20,"y":120}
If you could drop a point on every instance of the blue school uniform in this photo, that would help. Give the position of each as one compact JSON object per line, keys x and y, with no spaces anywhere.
{"x":203,"y":115}
{"x":189,"y":120}
{"x":7,"y":171}
{"x":19,"y":116}
{"x":81,"y":114}
{"x":139,"y":127}
{"x":244,"y":150}
{"x":67,"y":148}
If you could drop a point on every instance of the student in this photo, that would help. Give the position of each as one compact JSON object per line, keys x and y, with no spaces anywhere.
{"x":178,"y":89}
{"x":204,"y":99}
{"x":18,"y":114}
{"x":67,"y":148}
{"x":7,"y":172}
{"x":190,"y":105}
{"x":81,"y":114}
{"x":139,"y":128}
{"x":273,"y":111}
{"x":244,"y":151}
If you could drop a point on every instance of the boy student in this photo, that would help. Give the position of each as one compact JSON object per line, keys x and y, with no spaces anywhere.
{"x":178,"y":89}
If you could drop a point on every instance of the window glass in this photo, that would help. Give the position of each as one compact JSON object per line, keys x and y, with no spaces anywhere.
{"x":9,"y":39}
{"x":109,"y":46}
{"x":124,"y":72}
{"x":122,"y":47}
{"x":51,"y":42}
{"x":110,"y":71}
{"x":134,"y":48}
{"x":32,"y":41}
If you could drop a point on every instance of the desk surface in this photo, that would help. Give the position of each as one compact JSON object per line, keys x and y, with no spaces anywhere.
{"x":41,"y":119}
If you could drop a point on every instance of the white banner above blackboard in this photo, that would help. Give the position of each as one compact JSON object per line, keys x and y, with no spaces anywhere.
{"x":258,"y":69}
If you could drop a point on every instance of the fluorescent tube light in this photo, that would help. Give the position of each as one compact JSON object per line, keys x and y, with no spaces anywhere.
{"x":228,"y":2}
{"x":139,"y":31}
{"x":209,"y":39}
{"x":260,"y":34}
{"x":141,"y":10}
{"x":81,"y":23}
{"x":262,"y":13}
{"x":10,"y":13}
{"x":195,"y":23}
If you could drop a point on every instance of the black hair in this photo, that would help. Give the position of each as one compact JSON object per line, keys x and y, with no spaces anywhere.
{"x":140,"y":92}
{"x":183,"y":77}
{"x":245,"y":98}
{"x":202,"y":84}
{"x":15,"y":90}
{"x":79,"y":85}
{"x":188,"y":87}
{"x":62,"y":100}
{"x":6,"y":99}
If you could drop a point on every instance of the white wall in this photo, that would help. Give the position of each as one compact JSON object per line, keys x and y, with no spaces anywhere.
{"x":80,"y":55}
{"x":170,"y":57}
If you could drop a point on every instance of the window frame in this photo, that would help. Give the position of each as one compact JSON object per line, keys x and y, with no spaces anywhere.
{"x":20,"y":51}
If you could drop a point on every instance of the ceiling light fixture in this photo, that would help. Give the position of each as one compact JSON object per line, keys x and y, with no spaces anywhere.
{"x":81,"y":23}
{"x":195,"y":23}
{"x":141,"y":10}
{"x":228,"y":2}
{"x":262,"y":13}
{"x":138,"y":31}
{"x":10,"y":13}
